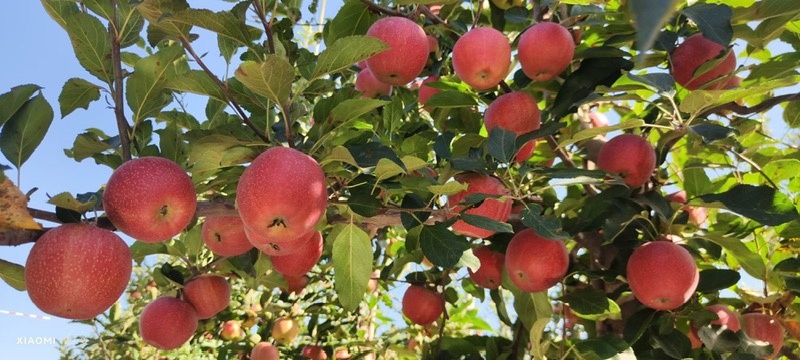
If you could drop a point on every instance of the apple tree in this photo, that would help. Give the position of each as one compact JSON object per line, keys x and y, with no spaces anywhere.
{"x":576,"y":179}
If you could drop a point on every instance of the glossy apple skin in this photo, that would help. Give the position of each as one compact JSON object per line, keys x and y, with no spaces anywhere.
{"x":497,"y":209}
{"x":490,"y":273}
{"x":535,"y":263}
{"x":725,"y":317}
{"x":151,"y":199}
{"x":225,"y":236}
{"x":407,"y":54}
{"x":167,"y":323}
{"x":313,"y":352}
{"x":77,"y":271}
{"x":765,"y":328}
{"x":545,"y":50}
{"x":662,"y":275}
{"x":281,"y":196}
{"x":630,"y":156}
{"x":302,"y":261}
{"x":422,"y":305}
{"x":695,"y":51}
{"x":273,"y":248}
{"x":208,"y":294}
{"x":265,"y":351}
{"x":518,"y":112}
{"x":285,"y":330}
{"x":425,"y":92}
{"x":482,"y":57}
{"x":369,"y":86}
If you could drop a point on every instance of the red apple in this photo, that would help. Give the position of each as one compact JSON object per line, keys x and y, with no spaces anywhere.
{"x":725,"y":317}
{"x":425,"y":92}
{"x":662,"y":275}
{"x":697,"y":215}
{"x":302,"y":261}
{"x":77,"y":271}
{"x":630,"y":156}
{"x":690,"y":55}
{"x":598,"y":119}
{"x":232,"y":330}
{"x":407,"y":54}
{"x":225,"y":236}
{"x":482,"y":57}
{"x":497,"y":209}
{"x":281,"y":196}
{"x":167,"y":323}
{"x":433,"y":44}
{"x":369,"y":86}
{"x":295,"y":284}
{"x":285,"y":330}
{"x":422,"y":305}
{"x":265,"y":351}
{"x":765,"y":328}
{"x":208,"y":293}
{"x":535,"y":263}
{"x":518,"y":112}
{"x":313,"y":352}
{"x":372,"y":285}
{"x":545,"y":50}
{"x":150,"y":198}
{"x":490,"y":271}
{"x":273,"y":248}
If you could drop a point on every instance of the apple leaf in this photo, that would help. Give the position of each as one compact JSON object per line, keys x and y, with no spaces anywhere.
{"x":77,"y":93}
{"x":353,"y":18}
{"x":589,"y":133}
{"x":674,"y":343}
{"x":411,"y":219}
{"x":144,"y":90}
{"x":487,"y":223}
{"x":760,"y":203}
{"x":592,"y":304}
{"x":140,"y":249}
{"x":712,"y":132}
{"x":530,"y":307}
{"x":224,"y":23}
{"x":450,"y":99}
{"x":650,"y":17}
{"x":662,"y":83}
{"x":713,"y":280}
{"x":721,"y":341}
{"x":637,"y":324}
{"x":713,"y":20}
{"x":502,"y":144}
{"x":547,"y":227}
{"x":751,"y":262}
{"x":352,"y":265}
{"x":353,"y":108}
{"x":441,"y":246}
{"x":580,"y":84}
{"x":13,"y":100}
{"x":91,"y":43}
{"x":791,"y":114}
{"x":606,"y":347}
{"x":25,"y":130}
{"x":67,"y":201}
{"x":13,"y":274}
{"x":196,"y":82}
{"x":363,"y":201}
{"x":271,"y":78}
{"x":345,"y":52}
{"x":370,"y":154}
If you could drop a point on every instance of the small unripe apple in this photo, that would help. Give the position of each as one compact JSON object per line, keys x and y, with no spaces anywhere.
{"x":77,"y":271}
{"x":313,"y":352}
{"x":725,"y":317}
{"x":369,"y":86}
{"x":662,"y":275}
{"x":482,"y":57}
{"x":545,"y":50}
{"x":490,"y":272}
{"x":493,"y":208}
{"x":232,"y":330}
{"x":630,"y":156}
{"x":265,"y":351}
{"x":765,"y":328}
{"x":150,"y":199}
{"x":535,"y":263}
{"x":518,"y":112}
{"x":285,"y":330}
{"x":302,"y":261}
{"x":225,"y":236}
{"x":407,"y":54}
{"x":167,"y":323}
{"x":422,"y":305}
{"x":690,"y":55}
{"x":208,"y":293}
{"x":281,"y":196}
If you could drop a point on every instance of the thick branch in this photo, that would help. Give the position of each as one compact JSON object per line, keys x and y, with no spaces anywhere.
{"x":224,"y":89}
{"x":117,"y":87}
{"x":380,"y":9}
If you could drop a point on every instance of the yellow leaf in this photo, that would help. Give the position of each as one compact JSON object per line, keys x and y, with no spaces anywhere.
{"x":14,"y":209}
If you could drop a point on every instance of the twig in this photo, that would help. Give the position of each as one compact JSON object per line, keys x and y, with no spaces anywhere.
{"x":433,"y":17}
{"x":380,"y":9}
{"x":262,"y":16}
{"x":225,"y":90}
{"x":117,"y":87}
{"x":755,"y":166}
{"x":551,"y":140}
{"x":744,"y":110}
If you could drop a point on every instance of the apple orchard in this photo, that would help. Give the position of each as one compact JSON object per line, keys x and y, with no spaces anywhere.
{"x":576,"y":179}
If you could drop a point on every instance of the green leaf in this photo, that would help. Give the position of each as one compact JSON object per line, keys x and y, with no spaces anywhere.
{"x":546,"y":227}
{"x":581,"y":83}
{"x":487,"y":223}
{"x":353,"y":108}
{"x":197,"y":82}
{"x":13,"y":275}
{"x":696,"y":181}
{"x":587,"y":134}
{"x":60,"y":10}
{"x":67,"y":201}
{"x":760,"y":203}
{"x":370,"y":154}
{"x":719,"y":341}
{"x":25,"y":130}
{"x":89,"y":144}
{"x":77,"y":93}
{"x":210,"y":153}
{"x":363,"y":201}
{"x":662,"y":83}
{"x":531,"y":307}
{"x":352,"y":265}
{"x":751,"y":262}
{"x":450,"y":99}
{"x":411,"y":219}
{"x":158,"y":14}
{"x":224,"y":23}
{"x":92,"y":45}
{"x":441,"y":246}
{"x":606,"y":347}
{"x":781,"y":169}
{"x":714,"y":21}
{"x":650,"y":17}
{"x":712,"y":280}
{"x":501,"y":144}
{"x":145,"y":90}
{"x":674,"y":343}
{"x":13,"y":100}
{"x":698,"y":101}
{"x":353,"y":18}
{"x":791,"y":114}
{"x":712,"y":132}
{"x":193,"y":240}
{"x":271,"y":78}
{"x":141,"y":249}
{"x":449,"y":188}
{"x":345,"y":52}
{"x":592,"y":304}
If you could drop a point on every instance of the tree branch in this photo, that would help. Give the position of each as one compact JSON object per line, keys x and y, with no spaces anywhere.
{"x":744,"y":110}
{"x":380,"y":9}
{"x":225,"y":91}
{"x":117,"y":87}
{"x":262,"y":16}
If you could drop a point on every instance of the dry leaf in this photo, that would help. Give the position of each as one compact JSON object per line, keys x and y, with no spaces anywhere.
{"x":14,"y":209}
